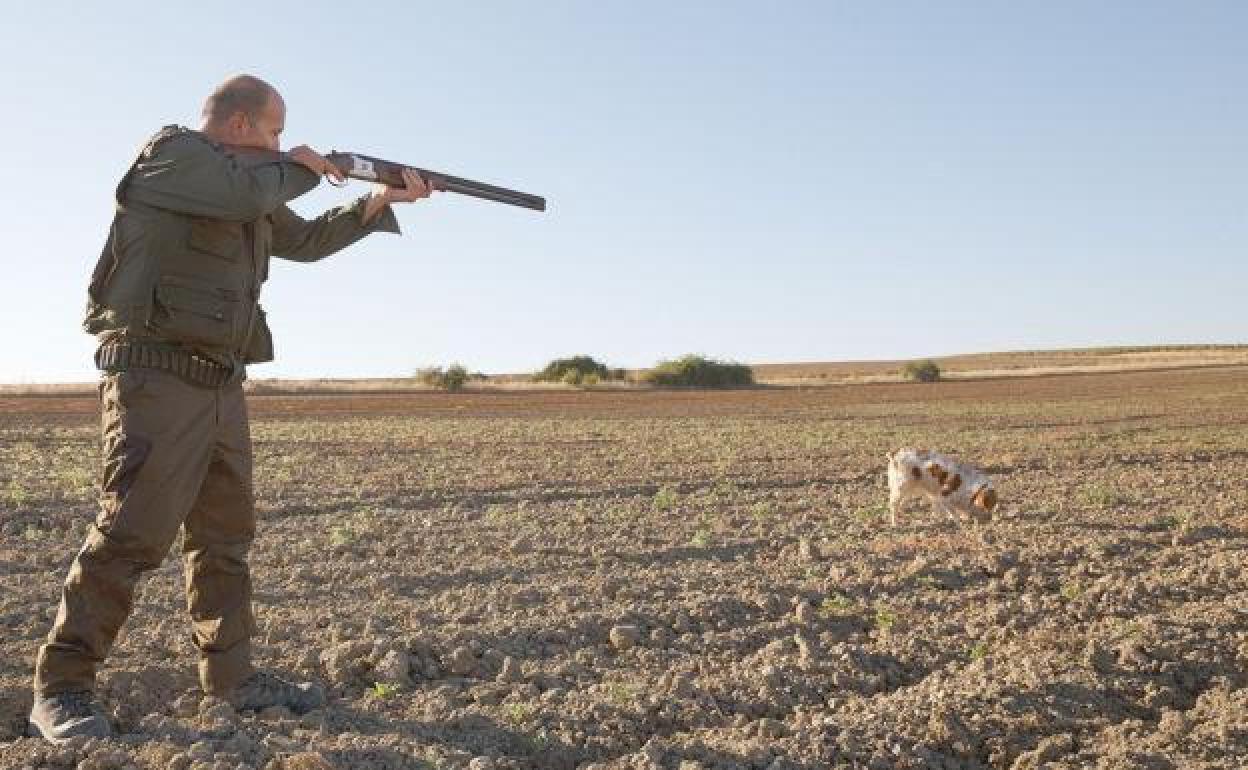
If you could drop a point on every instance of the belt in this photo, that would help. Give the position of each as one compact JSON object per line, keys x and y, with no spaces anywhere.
{"x":119,"y":356}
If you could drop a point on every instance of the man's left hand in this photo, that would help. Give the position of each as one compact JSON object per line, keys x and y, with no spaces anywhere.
{"x":415,"y":188}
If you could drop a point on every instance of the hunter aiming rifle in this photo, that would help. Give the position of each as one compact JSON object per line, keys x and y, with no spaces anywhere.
{"x":372,"y":169}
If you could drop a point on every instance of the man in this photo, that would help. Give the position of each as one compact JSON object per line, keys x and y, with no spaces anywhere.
{"x":173,"y":301}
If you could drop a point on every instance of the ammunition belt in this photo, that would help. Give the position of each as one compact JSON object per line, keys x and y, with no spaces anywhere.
{"x":120,"y":356}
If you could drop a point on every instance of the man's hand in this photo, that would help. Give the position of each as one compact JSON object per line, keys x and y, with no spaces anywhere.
{"x":315,"y":162}
{"x":415,"y":188}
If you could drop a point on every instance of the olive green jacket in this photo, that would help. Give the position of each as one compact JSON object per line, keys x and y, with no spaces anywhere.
{"x":189,"y":246}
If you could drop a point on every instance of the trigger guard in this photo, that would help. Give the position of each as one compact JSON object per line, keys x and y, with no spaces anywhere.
{"x":332,"y":183}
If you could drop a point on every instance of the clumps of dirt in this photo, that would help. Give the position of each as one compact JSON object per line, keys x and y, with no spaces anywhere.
{"x":702,"y":586}
{"x":624,"y":637}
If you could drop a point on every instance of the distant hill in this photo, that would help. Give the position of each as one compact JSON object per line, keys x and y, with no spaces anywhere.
{"x":1011,"y":363}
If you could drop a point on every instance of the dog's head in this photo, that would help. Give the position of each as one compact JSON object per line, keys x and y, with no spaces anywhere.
{"x":905,"y":463}
{"x":905,"y":456}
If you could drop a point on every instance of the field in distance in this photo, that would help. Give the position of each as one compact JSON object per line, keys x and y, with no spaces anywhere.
{"x":963,"y":366}
{"x":1012,"y":364}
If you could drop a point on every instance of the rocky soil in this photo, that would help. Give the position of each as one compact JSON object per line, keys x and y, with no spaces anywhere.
{"x":686,"y":581}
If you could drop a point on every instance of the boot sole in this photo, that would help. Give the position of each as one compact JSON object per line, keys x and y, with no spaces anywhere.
{"x":33,"y":731}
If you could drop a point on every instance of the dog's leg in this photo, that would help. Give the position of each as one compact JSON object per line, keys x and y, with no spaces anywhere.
{"x":894,"y":502}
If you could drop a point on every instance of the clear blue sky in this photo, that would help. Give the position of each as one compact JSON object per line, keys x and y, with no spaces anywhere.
{"x":755,"y":181}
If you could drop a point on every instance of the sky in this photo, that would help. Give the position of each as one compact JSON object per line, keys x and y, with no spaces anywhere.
{"x":760,"y":182}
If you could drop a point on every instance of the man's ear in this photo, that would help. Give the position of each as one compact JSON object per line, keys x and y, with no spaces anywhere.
{"x":238,"y":124}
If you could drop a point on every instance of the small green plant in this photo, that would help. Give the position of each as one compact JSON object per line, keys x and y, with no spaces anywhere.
{"x":537,"y":742}
{"x":1104,"y":495}
{"x":921,"y":371}
{"x":867,"y":515}
{"x":517,"y":713}
{"x":701,"y":538}
{"x":622,"y":694}
{"x":834,"y":604}
{"x":665,"y":499}
{"x":1181,"y":520}
{"x":1071,"y":590}
{"x":1121,"y":630}
{"x":978,"y":651}
{"x":1166,"y":522}
{"x":501,"y":513}
{"x":382,"y":690}
{"x":885,"y":619}
{"x":16,"y":494}
{"x":342,"y":534}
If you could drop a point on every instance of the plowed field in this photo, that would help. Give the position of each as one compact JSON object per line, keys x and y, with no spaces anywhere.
{"x":684,"y":580}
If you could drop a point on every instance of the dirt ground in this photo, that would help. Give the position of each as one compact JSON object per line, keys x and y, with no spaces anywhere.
{"x":687,"y":580}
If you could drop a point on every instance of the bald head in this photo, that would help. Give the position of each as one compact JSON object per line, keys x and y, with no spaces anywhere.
{"x":247,"y":111}
{"x":242,"y":93}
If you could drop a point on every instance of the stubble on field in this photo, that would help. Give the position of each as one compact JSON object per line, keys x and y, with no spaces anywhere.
{"x":690,"y":579}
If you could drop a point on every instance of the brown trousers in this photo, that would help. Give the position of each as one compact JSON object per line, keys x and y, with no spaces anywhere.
{"x":176,"y":455}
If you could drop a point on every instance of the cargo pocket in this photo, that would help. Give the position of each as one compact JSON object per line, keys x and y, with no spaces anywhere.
{"x":220,"y":239}
{"x":194,"y":314}
{"x":260,"y":345}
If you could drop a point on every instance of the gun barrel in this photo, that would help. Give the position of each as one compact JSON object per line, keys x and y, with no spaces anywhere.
{"x":372,"y":169}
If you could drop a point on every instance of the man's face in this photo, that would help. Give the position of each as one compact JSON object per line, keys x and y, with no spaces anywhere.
{"x":266,"y":130}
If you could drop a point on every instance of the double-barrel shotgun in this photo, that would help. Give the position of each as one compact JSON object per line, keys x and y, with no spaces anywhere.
{"x":368,"y":168}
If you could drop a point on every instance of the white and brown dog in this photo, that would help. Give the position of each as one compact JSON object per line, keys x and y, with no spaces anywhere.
{"x":948,"y":484}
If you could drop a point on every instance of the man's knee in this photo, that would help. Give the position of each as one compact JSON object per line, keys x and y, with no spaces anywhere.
{"x":217,"y":557}
{"x":139,"y":551}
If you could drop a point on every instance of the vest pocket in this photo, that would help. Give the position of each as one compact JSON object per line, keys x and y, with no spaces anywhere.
{"x":194,"y":314}
{"x":217,"y":238}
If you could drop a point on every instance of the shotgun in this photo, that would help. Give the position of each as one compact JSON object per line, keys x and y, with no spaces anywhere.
{"x":370,"y":169}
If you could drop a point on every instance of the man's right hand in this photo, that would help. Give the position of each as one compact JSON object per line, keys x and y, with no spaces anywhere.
{"x":315,"y":162}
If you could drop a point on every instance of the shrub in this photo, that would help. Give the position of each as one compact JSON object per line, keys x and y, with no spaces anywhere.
{"x":922,"y":371}
{"x":572,"y":371}
{"x":695,"y":370}
{"x":453,"y":378}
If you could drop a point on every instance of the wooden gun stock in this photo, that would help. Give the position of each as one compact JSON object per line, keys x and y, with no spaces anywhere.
{"x":372,"y":169}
